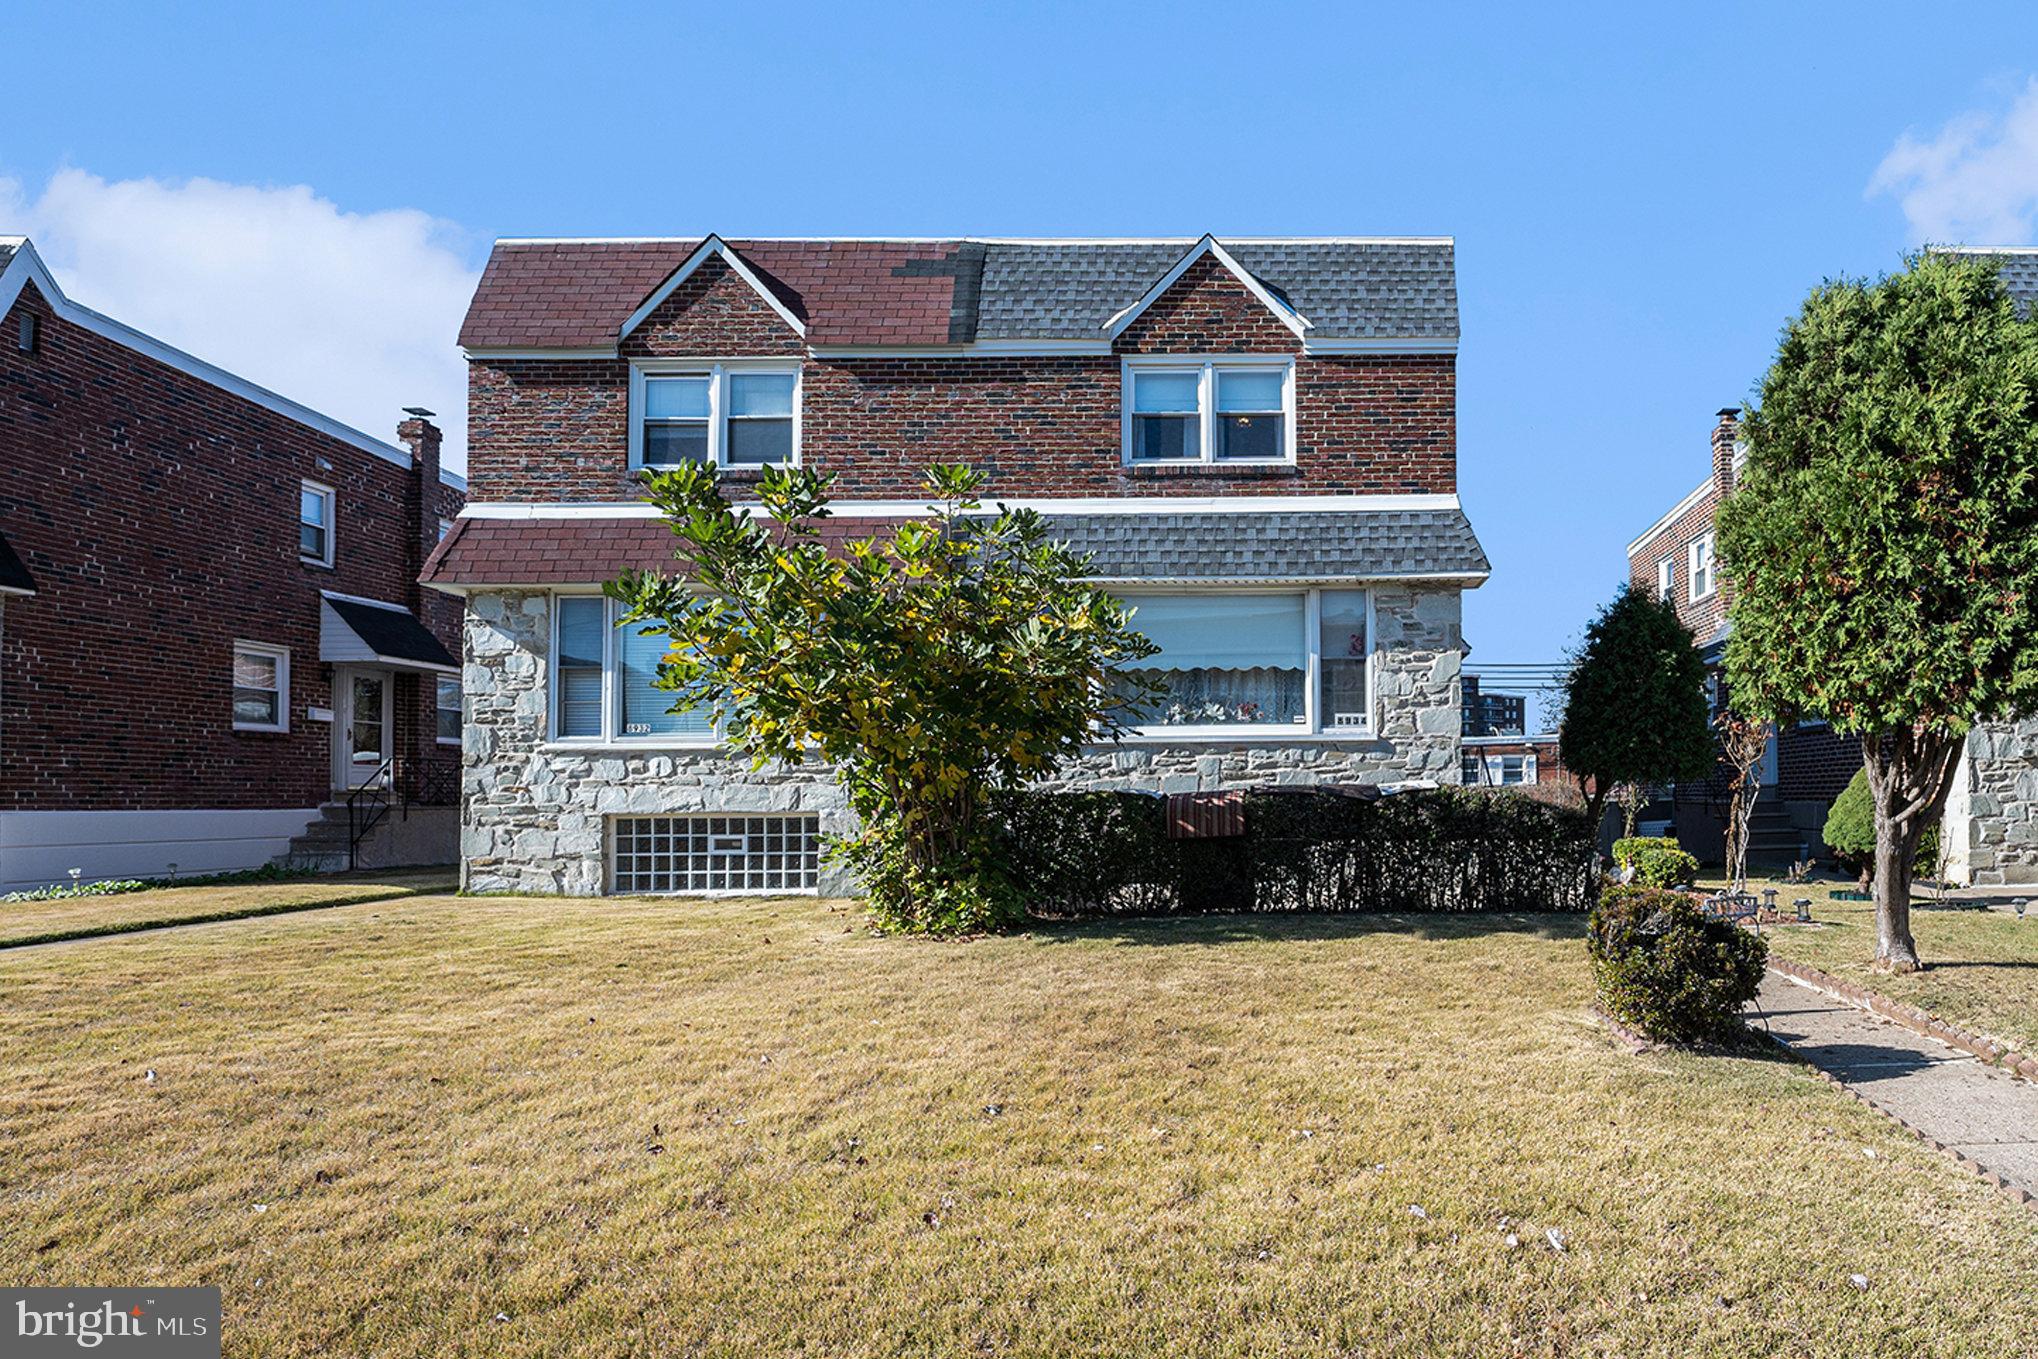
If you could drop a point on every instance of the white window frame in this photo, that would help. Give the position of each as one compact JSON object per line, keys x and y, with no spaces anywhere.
{"x":1708,"y":571}
{"x":612,"y":733}
{"x":279,"y":654}
{"x":445,"y":527}
{"x":1206,"y":366}
{"x":332,"y":524}
{"x":718,"y":372}
{"x":1314,"y":724}
{"x":1666,"y":578}
{"x":438,"y":708}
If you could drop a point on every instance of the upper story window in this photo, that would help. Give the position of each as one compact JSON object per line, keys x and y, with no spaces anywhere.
{"x":1210,"y":411}
{"x":603,"y":681}
{"x":1233,"y":663}
{"x":261,"y":687}
{"x":1666,"y":577}
{"x":1700,"y":567}
{"x":445,"y":527}
{"x":315,"y":523}
{"x":727,"y":414}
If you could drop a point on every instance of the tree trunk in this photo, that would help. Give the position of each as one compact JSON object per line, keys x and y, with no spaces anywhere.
{"x":1909,"y":774}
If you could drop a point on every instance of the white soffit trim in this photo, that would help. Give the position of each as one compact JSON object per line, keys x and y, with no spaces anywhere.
{"x":27,"y":267}
{"x":486,"y":353}
{"x":989,"y":240}
{"x":1382,"y":344}
{"x":1208,"y":245}
{"x":1676,"y":512}
{"x":712,"y":246}
{"x":893,"y":509}
{"x":1474,"y":578}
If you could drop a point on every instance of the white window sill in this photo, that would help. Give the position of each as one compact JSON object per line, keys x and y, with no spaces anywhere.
{"x":592,"y":746}
{"x":449,"y":741}
{"x":1244,"y":736}
{"x":319,"y":562}
{"x":261,"y":731}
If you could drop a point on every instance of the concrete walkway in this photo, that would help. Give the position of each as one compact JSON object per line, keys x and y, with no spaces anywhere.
{"x":1979,"y":1111}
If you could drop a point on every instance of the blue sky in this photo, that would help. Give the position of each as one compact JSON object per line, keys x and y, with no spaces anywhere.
{"x":1640,"y":194}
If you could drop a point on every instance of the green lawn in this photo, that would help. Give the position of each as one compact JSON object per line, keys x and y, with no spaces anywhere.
{"x":1981,"y":967}
{"x":515,"y":1126}
{"x":24,"y":922}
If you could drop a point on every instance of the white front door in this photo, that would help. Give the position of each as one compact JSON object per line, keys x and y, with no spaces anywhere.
{"x":360,"y":725}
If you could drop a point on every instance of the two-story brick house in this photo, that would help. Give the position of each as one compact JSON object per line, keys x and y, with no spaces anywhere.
{"x":212,"y":623}
{"x":1257,"y":439}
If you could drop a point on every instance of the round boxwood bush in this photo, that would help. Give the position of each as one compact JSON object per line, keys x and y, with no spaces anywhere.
{"x":1666,"y":968}
{"x":1850,"y":830}
{"x":1658,"y":860}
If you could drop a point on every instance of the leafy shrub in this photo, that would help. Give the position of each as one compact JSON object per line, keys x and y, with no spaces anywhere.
{"x":1850,"y":830}
{"x":1443,"y":849}
{"x":1666,"y":968}
{"x":1658,"y":860}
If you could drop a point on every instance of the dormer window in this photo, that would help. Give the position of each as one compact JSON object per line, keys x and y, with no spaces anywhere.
{"x":726,"y":414}
{"x":1209,"y":411}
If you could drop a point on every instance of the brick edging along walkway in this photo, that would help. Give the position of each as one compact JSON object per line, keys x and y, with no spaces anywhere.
{"x":1910,"y":1016}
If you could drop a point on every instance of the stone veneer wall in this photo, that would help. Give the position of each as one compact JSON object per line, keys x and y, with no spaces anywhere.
{"x":1991,"y":822}
{"x":534,"y":819}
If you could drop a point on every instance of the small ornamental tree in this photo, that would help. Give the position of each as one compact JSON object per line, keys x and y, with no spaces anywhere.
{"x":948,"y":657}
{"x":1884,"y":538}
{"x":1634,"y":702}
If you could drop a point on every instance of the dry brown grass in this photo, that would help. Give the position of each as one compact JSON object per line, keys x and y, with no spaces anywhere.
{"x":535,"y":1127}
{"x":1981,"y":967}
{"x":24,"y":922}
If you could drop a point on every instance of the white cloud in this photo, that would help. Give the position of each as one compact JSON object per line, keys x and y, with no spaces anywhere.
{"x":1974,"y":182}
{"x":353,"y":314}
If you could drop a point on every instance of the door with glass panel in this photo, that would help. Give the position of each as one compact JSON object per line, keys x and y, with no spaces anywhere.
{"x":360,"y":726}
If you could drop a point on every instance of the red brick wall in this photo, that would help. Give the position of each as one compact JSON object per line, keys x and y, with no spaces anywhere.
{"x":557,"y":430}
{"x":1705,"y":617}
{"x":1814,"y":763}
{"x":159,"y":516}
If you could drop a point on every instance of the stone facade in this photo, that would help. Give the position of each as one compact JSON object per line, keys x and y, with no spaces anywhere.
{"x":1991,"y":823}
{"x":536,"y":815}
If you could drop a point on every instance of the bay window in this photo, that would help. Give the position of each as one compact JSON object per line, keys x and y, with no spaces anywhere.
{"x":724,"y":414}
{"x":1209,"y":411}
{"x":1255,"y":663}
{"x":604,"y":680}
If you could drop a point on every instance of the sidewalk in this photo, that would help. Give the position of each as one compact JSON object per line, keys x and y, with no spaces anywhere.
{"x":1973,"y":1109}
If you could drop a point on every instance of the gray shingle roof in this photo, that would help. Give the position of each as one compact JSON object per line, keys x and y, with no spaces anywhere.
{"x":2020,"y":276}
{"x":1313,"y":545}
{"x":1347,"y":289}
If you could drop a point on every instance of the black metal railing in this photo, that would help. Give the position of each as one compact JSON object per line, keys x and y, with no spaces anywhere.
{"x":367,"y":806}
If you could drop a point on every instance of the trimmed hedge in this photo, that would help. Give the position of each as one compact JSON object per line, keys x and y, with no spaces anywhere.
{"x":1444,"y":849}
{"x":1658,"y":860}
{"x":1665,"y":967}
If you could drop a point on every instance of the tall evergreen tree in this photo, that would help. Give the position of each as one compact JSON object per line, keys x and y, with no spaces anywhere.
{"x":1883,"y":542}
{"x":1634,"y":702}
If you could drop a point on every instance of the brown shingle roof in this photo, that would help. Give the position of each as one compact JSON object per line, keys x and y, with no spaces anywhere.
{"x":575,"y":294}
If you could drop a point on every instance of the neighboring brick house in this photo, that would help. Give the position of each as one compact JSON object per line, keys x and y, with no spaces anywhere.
{"x":203,"y":584}
{"x":1257,"y":439}
{"x":1808,"y":764}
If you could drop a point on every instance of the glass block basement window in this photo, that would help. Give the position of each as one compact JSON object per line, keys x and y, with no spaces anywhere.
{"x":668,"y":854}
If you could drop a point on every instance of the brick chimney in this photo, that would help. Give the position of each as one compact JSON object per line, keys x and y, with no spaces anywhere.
{"x":1723,"y":436}
{"x":423,"y":438}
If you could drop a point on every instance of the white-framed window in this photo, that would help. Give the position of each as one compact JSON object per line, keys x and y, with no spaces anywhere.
{"x":1257,"y":663}
{"x":1497,"y":771}
{"x":1666,"y":577}
{"x":315,"y":522}
{"x":445,"y":527}
{"x":452,"y":711}
{"x":1215,"y":410}
{"x":1700,"y":566}
{"x":261,"y":687}
{"x":731,"y":413}
{"x":603,"y":680}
